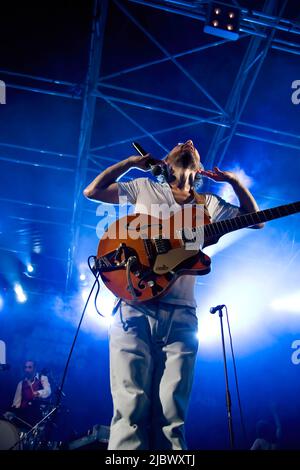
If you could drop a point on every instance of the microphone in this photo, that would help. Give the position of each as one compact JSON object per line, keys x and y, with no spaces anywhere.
{"x":215,"y":309}
{"x":156,"y":169}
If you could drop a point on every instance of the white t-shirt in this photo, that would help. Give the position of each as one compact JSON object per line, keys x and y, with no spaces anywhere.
{"x":142,"y":192}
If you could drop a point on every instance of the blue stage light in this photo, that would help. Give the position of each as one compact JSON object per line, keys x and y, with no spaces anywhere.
{"x":20,"y":294}
{"x":30,"y":268}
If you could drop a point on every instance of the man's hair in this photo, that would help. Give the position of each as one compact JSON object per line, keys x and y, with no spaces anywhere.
{"x":198,"y":181}
{"x":31,"y":360}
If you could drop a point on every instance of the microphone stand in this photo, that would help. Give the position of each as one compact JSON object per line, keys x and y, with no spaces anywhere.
{"x":228,"y":396}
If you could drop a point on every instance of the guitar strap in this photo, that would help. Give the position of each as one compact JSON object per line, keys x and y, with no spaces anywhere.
{"x":201,"y":199}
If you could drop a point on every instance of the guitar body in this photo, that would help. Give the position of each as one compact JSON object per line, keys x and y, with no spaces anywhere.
{"x":157,"y":255}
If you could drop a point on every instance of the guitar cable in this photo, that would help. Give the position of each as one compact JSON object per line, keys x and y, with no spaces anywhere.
{"x":96,"y":273}
{"x":96,"y":282}
{"x":130,"y":262}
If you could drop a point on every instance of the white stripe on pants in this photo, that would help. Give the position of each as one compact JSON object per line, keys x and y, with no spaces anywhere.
{"x":152,"y":355}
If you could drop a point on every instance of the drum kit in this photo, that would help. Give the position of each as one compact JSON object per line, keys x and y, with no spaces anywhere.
{"x":10,"y":436}
{"x":36,"y":427}
{"x":17,"y":434}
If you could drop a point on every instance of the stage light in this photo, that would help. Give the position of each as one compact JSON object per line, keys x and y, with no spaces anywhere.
{"x":30,"y":268}
{"x":223,"y":21}
{"x":1,"y":303}
{"x":290,"y":303}
{"x":82,"y":277}
{"x":20,"y":294}
{"x":247,"y":302}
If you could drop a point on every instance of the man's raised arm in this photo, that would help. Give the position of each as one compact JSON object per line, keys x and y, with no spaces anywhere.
{"x":105,"y":187}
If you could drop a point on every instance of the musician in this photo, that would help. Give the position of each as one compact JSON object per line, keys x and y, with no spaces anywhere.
{"x":153,"y":345}
{"x":30,"y":392}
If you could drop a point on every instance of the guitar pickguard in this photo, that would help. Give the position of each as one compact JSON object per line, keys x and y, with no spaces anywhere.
{"x":168,"y":261}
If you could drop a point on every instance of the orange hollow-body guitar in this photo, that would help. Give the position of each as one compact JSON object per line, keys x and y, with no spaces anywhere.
{"x":139,"y":256}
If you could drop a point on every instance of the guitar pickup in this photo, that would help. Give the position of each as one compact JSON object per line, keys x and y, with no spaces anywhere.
{"x":162,"y":245}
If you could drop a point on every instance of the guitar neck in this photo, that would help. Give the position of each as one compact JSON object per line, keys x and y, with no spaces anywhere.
{"x":217,"y":229}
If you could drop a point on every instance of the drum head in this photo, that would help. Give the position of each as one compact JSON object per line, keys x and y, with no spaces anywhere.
{"x":9,"y":436}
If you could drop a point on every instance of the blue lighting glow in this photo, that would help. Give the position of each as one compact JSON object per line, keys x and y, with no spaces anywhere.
{"x":30,"y":268}
{"x":247,"y":303}
{"x":289,"y":303}
{"x":20,"y":294}
{"x":105,"y":304}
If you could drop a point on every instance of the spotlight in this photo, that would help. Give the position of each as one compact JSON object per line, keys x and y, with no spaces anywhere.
{"x":30,"y":268}
{"x":82,"y":277}
{"x":20,"y":294}
{"x":1,"y":303}
{"x":223,"y":21}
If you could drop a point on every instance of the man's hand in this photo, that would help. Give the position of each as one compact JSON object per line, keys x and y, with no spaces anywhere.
{"x":36,"y":394}
{"x":9,"y":415}
{"x":246,"y":200}
{"x":142,"y":162}
{"x":220,"y":176}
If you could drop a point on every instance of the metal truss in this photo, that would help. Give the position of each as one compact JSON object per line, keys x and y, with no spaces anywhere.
{"x":190,"y":111}
{"x":242,"y":88}
{"x":261,"y":27}
{"x":86,"y":126}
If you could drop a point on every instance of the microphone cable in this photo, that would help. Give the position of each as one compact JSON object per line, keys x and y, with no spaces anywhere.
{"x":236,"y":379}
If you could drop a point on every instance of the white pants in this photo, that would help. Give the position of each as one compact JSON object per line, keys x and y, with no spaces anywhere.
{"x":152,"y":356}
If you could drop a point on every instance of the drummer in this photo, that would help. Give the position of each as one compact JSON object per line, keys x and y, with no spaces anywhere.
{"x":30,"y":392}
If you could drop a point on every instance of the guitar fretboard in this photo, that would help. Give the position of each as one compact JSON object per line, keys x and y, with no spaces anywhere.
{"x":217,"y":229}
